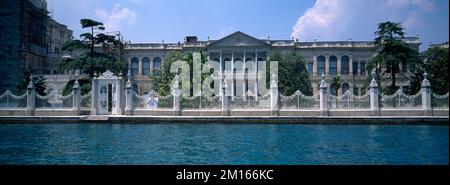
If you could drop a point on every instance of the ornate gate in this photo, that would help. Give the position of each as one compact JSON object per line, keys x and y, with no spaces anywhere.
{"x":100,"y":94}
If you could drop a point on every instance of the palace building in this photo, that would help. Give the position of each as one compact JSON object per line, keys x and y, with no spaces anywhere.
{"x":346,"y":59}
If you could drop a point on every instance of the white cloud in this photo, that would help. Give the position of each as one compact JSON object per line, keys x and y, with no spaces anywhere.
{"x":116,"y":17}
{"x":338,"y":19}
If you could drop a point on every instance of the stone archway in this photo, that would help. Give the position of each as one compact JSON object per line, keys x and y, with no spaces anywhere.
{"x":107,"y":89}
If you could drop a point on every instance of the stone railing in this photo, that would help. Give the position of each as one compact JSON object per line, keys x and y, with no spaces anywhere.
{"x":372,"y":103}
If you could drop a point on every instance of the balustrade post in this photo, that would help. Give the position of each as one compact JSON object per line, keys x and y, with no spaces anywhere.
{"x":128,"y":96}
{"x":176,"y":92}
{"x":374,"y":107}
{"x":323,"y":97}
{"x":426,"y":96}
{"x":31,"y":94}
{"x":76,"y":98}
{"x":94,"y":101}
{"x":274,"y":96}
{"x":225,"y":108}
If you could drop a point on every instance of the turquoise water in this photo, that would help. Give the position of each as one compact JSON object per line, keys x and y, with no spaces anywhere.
{"x":222,"y":144}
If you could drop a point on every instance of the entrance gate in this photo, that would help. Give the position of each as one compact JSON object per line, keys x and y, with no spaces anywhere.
{"x":107,"y":93}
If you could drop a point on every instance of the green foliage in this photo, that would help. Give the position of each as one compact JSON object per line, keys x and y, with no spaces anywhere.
{"x":91,"y":62}
{"x":292,"y":73}
{"x":87,"y":23}
{"x":392,"y":52}
{"x":437,"y":67}
{"x":288,"y":64}
{"x":162,"y":78}
{"x":38,"y":81}
{"x":336,"y":83}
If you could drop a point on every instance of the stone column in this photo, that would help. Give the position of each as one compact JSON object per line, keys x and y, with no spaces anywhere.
{"x":94,"y":101}
{"x":118,"y":96}
{"x":426,"y":96}
{"x":225,"y":108}
{"x":338,"y":66}
{"x":128,"y":96}
{"x":257,"y":75}
{"x":76,"y":98}
{"x":374,"y":107}
{"x":327,"y":65}
{"x":350,"y":65}
{"x":274,"y":96}
{"x":232,"y":76}
{"x":314,"y":69}
{"x":140,"y":66}
{"x":31,"y":94}
{"x":151,"y":67}
{"x":176,"y":92}
{"x":220,"y":71}
{"x":323,"y":97}
{"x":358,"y":68}
{"x":243,"y":76}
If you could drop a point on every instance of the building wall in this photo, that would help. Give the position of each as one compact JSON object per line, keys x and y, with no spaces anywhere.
{"x":22,"y":39}
{"x":57,"y":35}
{"x":358,"y":53}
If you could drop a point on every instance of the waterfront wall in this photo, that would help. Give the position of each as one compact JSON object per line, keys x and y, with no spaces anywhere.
{"x":373,"y":103}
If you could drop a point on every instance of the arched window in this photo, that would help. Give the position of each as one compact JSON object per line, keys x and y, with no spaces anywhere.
{"x":157,"y":63}
{"x":320,"y":65}
{"x":345,"y":87}
{"x":333,"y":65}
{"x":355,"y":91}
{"x":146,"y":66}
{"x":134,"y":66}
{"x":345,"y":67}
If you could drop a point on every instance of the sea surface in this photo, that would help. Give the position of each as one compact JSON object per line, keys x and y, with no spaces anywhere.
{"x":215,"y":143}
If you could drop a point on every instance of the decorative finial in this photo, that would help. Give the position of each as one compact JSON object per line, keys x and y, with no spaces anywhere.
{"x":373,"y":73}
{"x":373,"y":83}
{"x":323,"y":83}
{"x":30,"y":83}
{"x":425,"y":81}
{"x":76,"y":85}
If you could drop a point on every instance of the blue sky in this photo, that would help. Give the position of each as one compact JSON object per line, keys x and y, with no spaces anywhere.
{"x":326,"y":20}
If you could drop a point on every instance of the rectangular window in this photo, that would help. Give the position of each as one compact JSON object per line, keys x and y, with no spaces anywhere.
{"x":362,"y":68}
{"x":333,"y":68}
{"x":355,"y":67}
{"x":355,"y":91}
{"x":310,"y":68}
{"x":320,"y":67}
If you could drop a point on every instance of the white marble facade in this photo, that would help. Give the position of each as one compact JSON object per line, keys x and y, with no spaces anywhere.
{"x":346,"y":59}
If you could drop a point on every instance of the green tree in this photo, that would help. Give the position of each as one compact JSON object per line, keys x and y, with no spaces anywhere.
{"x":162,"y":78}
{"x":38,"y":81}
{"x":436,"y":65}
{"x":292,"y":73}
{"x":392,"y":52}
{"x":336,"y":83}
{"x":91,"y":62}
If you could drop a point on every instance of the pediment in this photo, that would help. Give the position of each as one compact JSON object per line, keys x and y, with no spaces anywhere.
{"x":238,"y":39}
